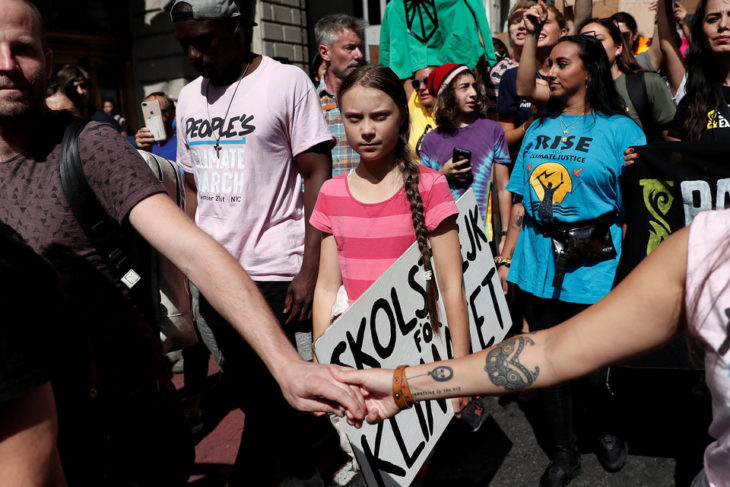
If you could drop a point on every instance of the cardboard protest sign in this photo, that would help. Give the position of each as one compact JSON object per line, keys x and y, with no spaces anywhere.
{"x":388,"y":326}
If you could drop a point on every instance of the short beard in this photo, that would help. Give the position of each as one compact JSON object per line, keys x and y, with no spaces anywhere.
{"x":22,"y":115}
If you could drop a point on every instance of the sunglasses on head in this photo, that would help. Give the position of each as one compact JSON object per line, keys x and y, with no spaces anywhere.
{"x":416,"y":83}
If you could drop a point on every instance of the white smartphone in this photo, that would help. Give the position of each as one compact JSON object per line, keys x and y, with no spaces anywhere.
{"x":153,"y":119}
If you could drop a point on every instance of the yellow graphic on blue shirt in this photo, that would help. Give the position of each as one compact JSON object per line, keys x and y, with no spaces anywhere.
{"x":551,"y":183}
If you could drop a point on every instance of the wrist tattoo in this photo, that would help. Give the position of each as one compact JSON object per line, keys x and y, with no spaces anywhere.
{"x":504,"y":368}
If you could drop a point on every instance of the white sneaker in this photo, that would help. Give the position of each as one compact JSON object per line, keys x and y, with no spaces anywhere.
{"x":345,"y":476}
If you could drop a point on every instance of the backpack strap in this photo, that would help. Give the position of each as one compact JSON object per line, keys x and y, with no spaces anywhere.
{"x":636,"y":87}
{"x":104,"y":233}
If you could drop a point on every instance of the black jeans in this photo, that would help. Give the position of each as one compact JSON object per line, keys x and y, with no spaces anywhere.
{"x":555,"y":404}
{"x":273,"y":430}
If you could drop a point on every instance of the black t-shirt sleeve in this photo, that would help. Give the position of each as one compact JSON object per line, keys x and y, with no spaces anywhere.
{"x":676,"y":126}
{"x":30,"y":301}
{"x":507,"y":102}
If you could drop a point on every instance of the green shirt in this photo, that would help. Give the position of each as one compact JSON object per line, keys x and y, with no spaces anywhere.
{"x":658,"y":95}
{"x":456,"y":39}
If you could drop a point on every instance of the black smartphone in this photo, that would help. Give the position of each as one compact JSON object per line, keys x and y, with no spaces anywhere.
{"x":460,"y":154}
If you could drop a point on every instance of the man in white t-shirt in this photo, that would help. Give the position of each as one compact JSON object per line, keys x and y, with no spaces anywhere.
{"x":250,"y":133}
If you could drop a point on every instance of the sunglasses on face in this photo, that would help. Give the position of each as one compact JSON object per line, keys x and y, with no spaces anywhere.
{"x":416,"y":83}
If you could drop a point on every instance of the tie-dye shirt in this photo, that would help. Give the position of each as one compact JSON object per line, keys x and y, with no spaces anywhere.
{"x":485,"y":139}
{"x":708,"y":304}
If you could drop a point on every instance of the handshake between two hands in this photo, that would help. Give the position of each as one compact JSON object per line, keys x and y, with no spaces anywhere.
{"x":356,"y":394}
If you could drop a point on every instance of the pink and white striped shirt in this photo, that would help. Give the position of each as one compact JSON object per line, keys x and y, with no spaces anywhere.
{"x":371,"y":236}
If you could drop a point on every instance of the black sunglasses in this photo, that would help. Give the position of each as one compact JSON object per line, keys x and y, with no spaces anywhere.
{"x":416,"y":83}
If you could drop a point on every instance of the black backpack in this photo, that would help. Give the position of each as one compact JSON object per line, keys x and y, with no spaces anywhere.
{"x":143,"y":435}
{"x":636,"y":87}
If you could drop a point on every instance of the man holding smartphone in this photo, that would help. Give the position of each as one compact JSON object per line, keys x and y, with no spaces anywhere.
{"x":144,"y":138}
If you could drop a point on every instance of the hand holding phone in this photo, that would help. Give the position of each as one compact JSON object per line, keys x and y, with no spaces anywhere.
{"x":153,"y":119}
{"x":461,"y":160}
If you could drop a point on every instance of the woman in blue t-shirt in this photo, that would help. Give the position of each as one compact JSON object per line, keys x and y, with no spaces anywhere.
{"x":567,"y":176}
{"x":462,"y":127}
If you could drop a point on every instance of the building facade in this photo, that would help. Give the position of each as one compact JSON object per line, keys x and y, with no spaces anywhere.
{"x":129,"y":46}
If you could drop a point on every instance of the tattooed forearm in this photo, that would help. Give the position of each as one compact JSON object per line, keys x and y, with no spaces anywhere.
{"x":437,"y":392}
{"x":441,"y":373}
{"x":504,"y":368}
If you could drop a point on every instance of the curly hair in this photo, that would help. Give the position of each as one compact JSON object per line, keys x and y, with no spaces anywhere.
{"x":446,"y":109}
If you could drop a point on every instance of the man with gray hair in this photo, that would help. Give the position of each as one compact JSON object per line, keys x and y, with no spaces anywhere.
{"x":339,"y":37}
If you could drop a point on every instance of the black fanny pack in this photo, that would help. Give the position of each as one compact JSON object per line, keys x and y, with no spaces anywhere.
{"x":580,"y":243}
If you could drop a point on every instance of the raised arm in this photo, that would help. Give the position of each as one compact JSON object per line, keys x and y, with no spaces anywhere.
{"x":641,"y":314}
{"x":583,"y":11}
{"x":527,"y":85}
{"x":668,"y":42}
{"x":307,"y":387}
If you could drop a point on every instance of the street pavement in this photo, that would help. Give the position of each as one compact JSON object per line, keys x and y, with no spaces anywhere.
{"x":664,"y":416}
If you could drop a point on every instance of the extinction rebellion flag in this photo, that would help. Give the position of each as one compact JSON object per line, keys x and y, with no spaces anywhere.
{"x":670,"y":183}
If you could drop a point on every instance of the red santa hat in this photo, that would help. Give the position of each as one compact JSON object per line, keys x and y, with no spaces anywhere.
{"x":440,"y":77}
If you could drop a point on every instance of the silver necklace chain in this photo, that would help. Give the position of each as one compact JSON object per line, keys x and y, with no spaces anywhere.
{"x":217,"y":146}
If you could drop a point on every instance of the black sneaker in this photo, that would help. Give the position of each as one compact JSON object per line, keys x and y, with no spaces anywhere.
{"x":611,"y":452}
{"x":564,"y":467}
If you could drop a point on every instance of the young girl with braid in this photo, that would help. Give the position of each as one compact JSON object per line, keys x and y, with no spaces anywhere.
{"x":372,"y":214}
